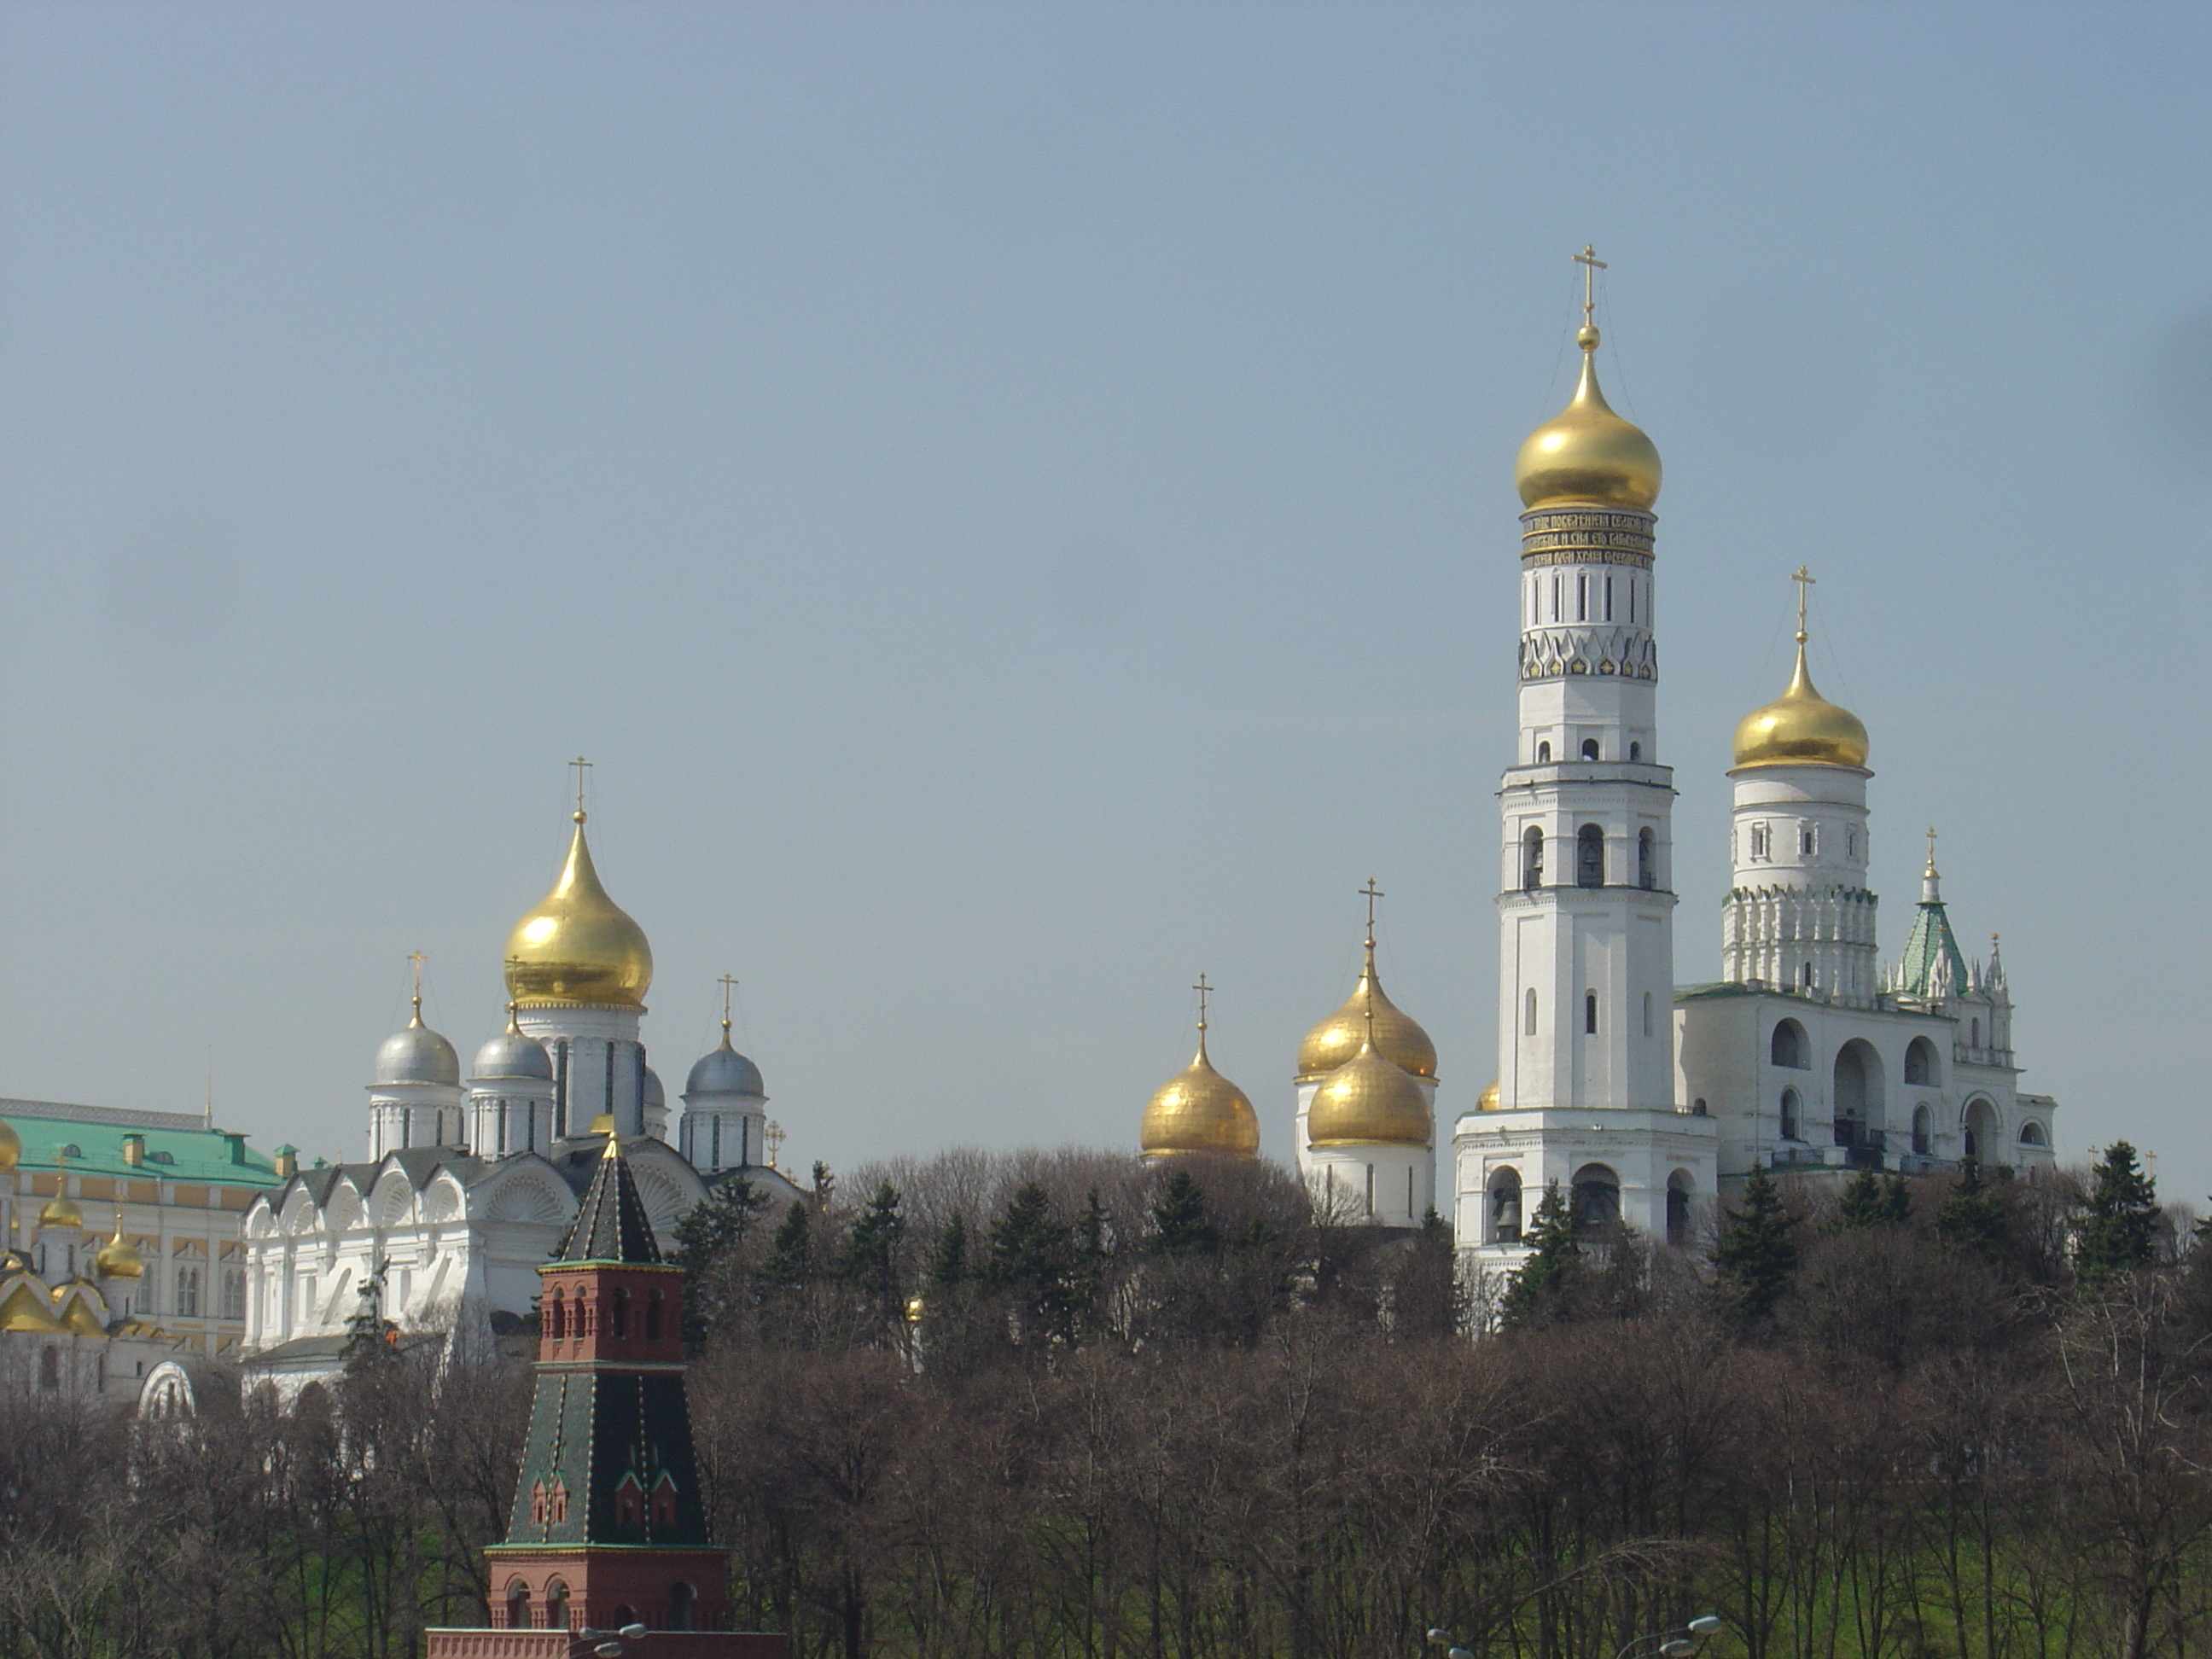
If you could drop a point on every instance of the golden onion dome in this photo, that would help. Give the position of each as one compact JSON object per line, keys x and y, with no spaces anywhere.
{"x":1199,"y":1111}
{"x":61,"y":1212}
{"x":120,"y":1259}
{"x":579,"y":947}
{"x":11,"y":1146}
{"x":1488,"y":1102}
{"x":1586,"y":452}
{"x":1398,"y":1038}
{"x":1367,"y":1100}
{"x":1801,"y":728}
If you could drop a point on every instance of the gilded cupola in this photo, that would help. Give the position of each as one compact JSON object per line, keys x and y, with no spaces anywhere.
{"x":579,"y":947}
{"x":118,"y":1258}
{"x":1199,"y":1111}
{"x":1397,"y":1036}
{"x":1367,"y":1100}
{"x":1801,"y":728}
{"x":60,"y":1211}
{"x":1586,"y":452}
{"x":11,"y":1146}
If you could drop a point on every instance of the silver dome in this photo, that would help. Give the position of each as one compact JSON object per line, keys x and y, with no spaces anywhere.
{"x":512,"y":1053}
{"x":724,"y":1071}
{"x":654,"y":1094}
{"x":416,"y":1054}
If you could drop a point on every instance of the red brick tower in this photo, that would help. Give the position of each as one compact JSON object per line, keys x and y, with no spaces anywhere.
{"x":608,"y":1528}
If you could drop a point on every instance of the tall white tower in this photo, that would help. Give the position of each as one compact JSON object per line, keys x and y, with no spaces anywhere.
{"x":1586,"y":910}
{"x":1585,"y":1093}
{"x":1799,"y":916}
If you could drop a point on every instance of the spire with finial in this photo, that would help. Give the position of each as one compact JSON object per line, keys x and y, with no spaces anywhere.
{"x":1397,"y":1037}
{"x":416,"y":958}
{"x":1933,"y":966}
{"x":1198,"y":1110}
{"x":1801,"y":728}
{"x":729,"y":987}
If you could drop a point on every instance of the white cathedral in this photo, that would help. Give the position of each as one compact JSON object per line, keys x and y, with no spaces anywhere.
{"x":1644,"y":1100}
{"x":468,"y":1185}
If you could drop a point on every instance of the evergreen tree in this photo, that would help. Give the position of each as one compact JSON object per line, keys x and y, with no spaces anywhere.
{"x":2119,"y":1231}
{"x":1971,"y":1219}
{"x":869,"y":1260}
{"x":1426,"y":1301}
{"x":1756,"y":1254}
{"x":1033,"y":1261}
{"x":711,"y":1244}
{"x":1179,"y":1224}
{"x":790,"y":1264}
{"x":1543,"y":1290}
{"x":1870,"y":1201}
{"x":948,"y":1268}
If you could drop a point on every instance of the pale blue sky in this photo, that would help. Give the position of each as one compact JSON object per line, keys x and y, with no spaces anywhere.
{"x":1016,"y":502}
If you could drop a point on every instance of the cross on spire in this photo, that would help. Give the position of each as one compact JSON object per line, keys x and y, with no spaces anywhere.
{"x":1371,"y":893}
{"x":1591,"y":266}
{"x":417,"y":959}
{"x":1931,"y":849}
{"x":1804,"y":579}
{"x":1204,"y":990}
{"x":729,"y":985}
{"x":582,"y":766}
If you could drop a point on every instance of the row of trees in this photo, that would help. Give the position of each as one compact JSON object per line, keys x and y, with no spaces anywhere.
{"x":1070,"y":1405}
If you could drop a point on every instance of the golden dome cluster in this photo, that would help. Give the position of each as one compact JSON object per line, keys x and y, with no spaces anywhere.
{"x":1372,"y":1058}
{"x":578,"y":947}
{"x":1801,"y":728}
{"x":1396,"y":1036}
{"x":118,"y":1258}
{"x":11,"y":1146}
{"x":61,"y":1212}
{"x":1586,"y":454}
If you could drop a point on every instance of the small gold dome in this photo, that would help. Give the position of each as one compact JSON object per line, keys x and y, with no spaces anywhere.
{"x":579,"y":947}
{"x":11,"y":1146}
{"x":1801,"y":728}
{"x":1398,"y":1038}
{"x":1586,"y":452}
{"x":1200,"y":1111}
{"x":1488,"y":1102}
{"x":120,"y":1259}
{"x":1367,"y":1100}
{"x":60,"y":1211}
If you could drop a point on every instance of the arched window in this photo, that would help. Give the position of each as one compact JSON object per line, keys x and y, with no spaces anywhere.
{"x":1680,"y":1185}
{"x":1920,"y":1063}
{"x":1922,"y":1128}
{"x":556,"y":1605}
{"x":1636,"y":751}
{"x":1590,"y":1012}
{"x":1531,"y":1020}
{"x":518,"y":1606}
{"x":1787,"y":1046}
{"x":653,"y":1317}
{"x":1543,"y":754}
{"x":1805,"y":977}
{"x":1597,"y":1198}
{"x":1792,"y":1115}
{"x":50,"y":1368}
{"x":1857,"y":1096}
{"x":1590,"y":856}
{"x":1807,"y":840}
{"x":1647,"y":860}
{"x":1506,"y":1207}
{"x":618,"y":1314}
{"x":1647,"y":1013}
{"x":556,"y":1312}
{"x":679,"y":1607}
{"x":1697,"y":1107}
{"x":1589,"y":748}
{"x":2031,"y":1135}
{"x":1980,"y":1124}
{"x":1976,"y":1041}
{"x":1532,"y":859}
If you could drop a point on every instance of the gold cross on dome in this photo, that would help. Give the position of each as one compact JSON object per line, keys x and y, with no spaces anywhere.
{"x":417,"y":958}
{"x":1591,"y":266}
{"x":582,"y":766}
{"x":728,"y":985}
{"x":1371,"y":893}
{"x":1804,"y":579}
{"x":1931,"y":849}
{"x":1203,"y":990}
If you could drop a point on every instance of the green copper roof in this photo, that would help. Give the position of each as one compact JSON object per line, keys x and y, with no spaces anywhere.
{"x":1931,"y":942}
{"x":91,"y":1137}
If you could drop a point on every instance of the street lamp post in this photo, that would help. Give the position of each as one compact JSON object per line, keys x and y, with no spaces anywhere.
{"x":1677,"y":1644}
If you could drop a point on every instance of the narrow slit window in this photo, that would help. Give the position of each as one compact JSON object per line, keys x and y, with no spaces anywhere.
{"x":1590,"y":1012}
